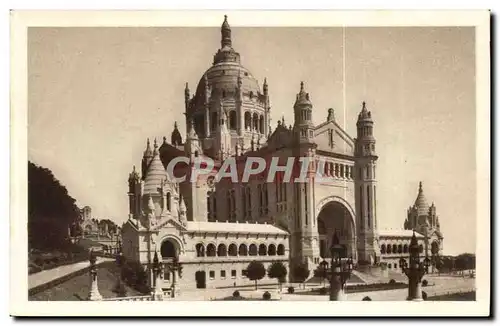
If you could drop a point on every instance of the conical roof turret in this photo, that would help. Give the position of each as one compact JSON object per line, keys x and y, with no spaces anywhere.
{"x":421,"y":202}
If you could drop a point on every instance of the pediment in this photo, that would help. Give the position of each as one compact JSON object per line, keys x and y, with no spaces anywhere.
{"x":330,"y":137}
{"x":170,"y":222}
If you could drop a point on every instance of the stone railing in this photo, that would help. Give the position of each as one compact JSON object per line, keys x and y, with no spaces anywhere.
{"x":135,"y":298}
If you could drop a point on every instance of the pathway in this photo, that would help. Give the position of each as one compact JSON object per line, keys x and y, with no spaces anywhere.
{"x":49,"y":275}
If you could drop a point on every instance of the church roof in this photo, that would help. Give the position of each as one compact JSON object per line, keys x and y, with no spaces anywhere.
{"x":421,"y":202}
{"x":242,"y":228}
{"x":398,"y":233}
{"x":155,"y":175}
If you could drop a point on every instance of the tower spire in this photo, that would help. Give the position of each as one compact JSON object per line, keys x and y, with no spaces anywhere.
{"x":225,"y":34}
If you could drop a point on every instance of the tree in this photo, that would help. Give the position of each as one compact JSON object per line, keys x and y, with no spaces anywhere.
{"x":301,"y":273}
{"x":51,"y":210}
{"x":278,"y":271}
{"x":255,"y":271}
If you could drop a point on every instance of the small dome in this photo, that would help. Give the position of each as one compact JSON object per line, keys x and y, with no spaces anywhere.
{"x":302,"y":97}
{"x":421,"y":202}
{"x":156,"y":174}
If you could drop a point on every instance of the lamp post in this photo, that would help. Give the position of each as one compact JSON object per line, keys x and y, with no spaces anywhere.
{"x":415,"y":271}
{"x":157,"y":271}
{"x":174,"y":267}
{"x":94,"y":294}
{"x":341,"y":269}
{"x":324,"y":268}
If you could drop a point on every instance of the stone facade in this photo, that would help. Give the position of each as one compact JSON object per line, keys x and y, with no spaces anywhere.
{"x":202,"y":222}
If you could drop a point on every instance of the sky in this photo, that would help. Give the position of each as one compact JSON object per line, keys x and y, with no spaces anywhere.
{"x":96,"y":94}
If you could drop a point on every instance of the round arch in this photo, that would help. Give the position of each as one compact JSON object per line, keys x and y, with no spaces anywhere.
{"x":334,"y":214}
{"x":176,"y":241}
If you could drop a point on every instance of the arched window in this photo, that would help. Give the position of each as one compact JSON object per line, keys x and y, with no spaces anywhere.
{"x":382,"y":249}
{"x":255,"y":125}
{"x":233,"y":250}
{"x":405,"y":248}
{"x":168,"y":249}
{"x":272,"y":250}
{"x":389,"y":266}
{"x":281,"y":250}
{"x":262,"y":250}
{"x":394,"y":248}
{"x":248,"y":121}
{"x":243,"y":250}
{"x":400,"y":249}
{"x":261,"y":124}
{"x":420,"y":249}
{"x":169,"y":201}
{"x":232,"y":120}
{"x":200,"y":250}
{"x":222,"y":250}
{"x":211,"y":250}
{"x":389,"y":249}
{"x":252,"y":250}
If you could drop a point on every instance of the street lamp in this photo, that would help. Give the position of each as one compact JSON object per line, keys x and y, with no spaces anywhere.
{"x":324,"y":268}
{"x":415,"y":271}
{"x":157,"y":270}
{"x":341,"y":269}
{"x":174,"y":267}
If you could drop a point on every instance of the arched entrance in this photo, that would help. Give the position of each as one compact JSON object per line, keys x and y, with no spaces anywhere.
{"x":168,"y":249}
{"x":335,"y":217}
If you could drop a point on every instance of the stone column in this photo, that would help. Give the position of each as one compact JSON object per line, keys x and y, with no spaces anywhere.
{"x":158,"y":290}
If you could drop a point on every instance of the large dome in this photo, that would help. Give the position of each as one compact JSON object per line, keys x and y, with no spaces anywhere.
{"x":223,"y":79}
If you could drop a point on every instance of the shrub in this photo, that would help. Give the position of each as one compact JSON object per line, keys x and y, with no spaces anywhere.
{"x":267,"y":295}
{"x":367,"y":299}
{"x":236,"y":294}
{"x":392,"y":281}
{"x":135,"y":276}
{"x":424,"y":295}
{"x":291,"y":290}
{"x":120,"y":290}
{"x":424,"y":283}
{"x":322,"y":291}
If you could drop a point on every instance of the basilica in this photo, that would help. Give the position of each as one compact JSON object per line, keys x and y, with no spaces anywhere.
{"x":215,"y":228}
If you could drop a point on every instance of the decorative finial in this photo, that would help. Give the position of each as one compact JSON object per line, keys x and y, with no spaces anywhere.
{"x":301,"y":86}
{"x":175,"y":124}
{"x":364,"y":106}
{"x":133,"y":169}
{"x":420,"y":186}
{"x":283,"y":120}
{"x":164,"y":139}
{"x":155,"y":144}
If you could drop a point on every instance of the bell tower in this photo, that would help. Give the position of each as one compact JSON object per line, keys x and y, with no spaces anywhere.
{"x":366,"y":188}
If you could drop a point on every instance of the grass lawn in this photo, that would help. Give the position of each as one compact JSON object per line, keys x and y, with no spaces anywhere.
{"x":467,"y":296}
{"x":77,"y":288}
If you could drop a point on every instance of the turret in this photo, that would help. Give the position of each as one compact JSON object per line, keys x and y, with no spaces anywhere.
{"x":146,"y":158}
{"x":186,"y":96}
{"x":176,"y":138}
{"x":303,"y":117}
{"x":366,"y":188}
{"x":134,"y":194}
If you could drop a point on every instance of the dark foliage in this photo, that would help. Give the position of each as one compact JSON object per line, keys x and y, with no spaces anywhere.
{"x":51,"y":210}
{"x":266,"y":295}
{"x":301,"y":272}
{"x":255,"y":271}
{"x":278,"y":271}
{"x":367,"y":299}
{"x":236,"y":294}
{"x":291,"y":290}
{"x":392,"y":281}
{"x":322,"y":291}
{"x":425,"y":283}
{"x":424,"y":295}
{"x":135,"y":276}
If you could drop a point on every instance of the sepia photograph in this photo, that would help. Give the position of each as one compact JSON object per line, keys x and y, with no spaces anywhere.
{"x":299,"y":157}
